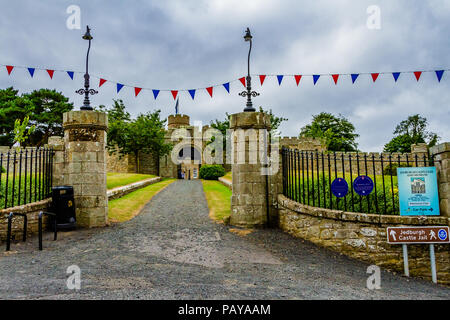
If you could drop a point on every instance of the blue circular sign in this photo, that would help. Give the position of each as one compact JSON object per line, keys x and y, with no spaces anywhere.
{"x":363,"y":185}
{"x":339,"y":187}
{"x":442,"y":234}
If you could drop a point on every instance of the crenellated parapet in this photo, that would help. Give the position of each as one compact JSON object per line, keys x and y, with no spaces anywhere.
{"x":303,"y":143}
{"x":176,"y":121}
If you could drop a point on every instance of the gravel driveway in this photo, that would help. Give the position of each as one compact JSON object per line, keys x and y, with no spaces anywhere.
{"x":172,"y":250}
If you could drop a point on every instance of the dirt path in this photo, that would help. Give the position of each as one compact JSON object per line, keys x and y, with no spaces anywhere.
{"x":172,"y":250}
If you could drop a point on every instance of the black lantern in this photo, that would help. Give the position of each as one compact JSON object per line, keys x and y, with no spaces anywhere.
{"x":249,"y":93}
{"x":86,"y":91}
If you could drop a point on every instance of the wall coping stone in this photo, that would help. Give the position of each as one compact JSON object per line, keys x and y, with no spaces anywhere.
{"x":250,"y":120}
{"x":378,"y":219}
{"x":124,"y":190}
{"x":29,"y":207}
{"x":440,"y":148}
{"x":226,"y":183}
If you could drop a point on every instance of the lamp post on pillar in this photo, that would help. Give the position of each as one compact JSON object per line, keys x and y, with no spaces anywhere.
{"x":249,"y":93}
{"x":86,"y":91}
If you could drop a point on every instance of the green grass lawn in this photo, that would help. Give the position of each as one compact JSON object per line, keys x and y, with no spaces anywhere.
{"x":127,"y":207}
{"x":228,"y":176}
{"x":383,"y":199}
{"x":219,"y":199}
{"x":27,"y":186}
{"x":115,"y":179}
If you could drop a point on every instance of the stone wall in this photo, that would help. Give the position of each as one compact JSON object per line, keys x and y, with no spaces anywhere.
{"x":441,"y":155}
{"x":353,"y":161}
{"x":363,"y":237}
{"x":32,"y":211}
{"x":116,"y":162}
{"x":303,"y":143}
{"x":19,"y":158}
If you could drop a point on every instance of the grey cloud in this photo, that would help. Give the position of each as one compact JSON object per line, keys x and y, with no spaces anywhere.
{"x":191,"y":44}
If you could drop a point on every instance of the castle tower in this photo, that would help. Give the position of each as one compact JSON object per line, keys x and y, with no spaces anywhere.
{"x":177,"y":121}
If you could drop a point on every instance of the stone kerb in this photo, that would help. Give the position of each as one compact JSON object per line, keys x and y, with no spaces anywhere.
{"x":124,"y":190}
{"x":85,"y":164}
{"x":249,"y":199}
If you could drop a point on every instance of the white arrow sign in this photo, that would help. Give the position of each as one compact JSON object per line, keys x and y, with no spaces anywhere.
{"x":393,"y":234}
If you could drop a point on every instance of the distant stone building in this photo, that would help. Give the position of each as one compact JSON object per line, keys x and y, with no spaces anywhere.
{"x":189,"y":152}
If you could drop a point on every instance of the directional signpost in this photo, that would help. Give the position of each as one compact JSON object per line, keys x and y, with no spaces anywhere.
{"x":419,"y":235}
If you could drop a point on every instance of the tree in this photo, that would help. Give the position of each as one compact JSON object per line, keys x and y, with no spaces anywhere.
{"x":48,"y":108}
{"x":12,"y":107}
{"x":275,"y":121}
{"x":118,"y":122}
{"x":23,"y":130}
{"x":411,"y":131}
{"x":335,"y":131}
{"x":224,"y":125}
{"x":44,"y":108}
{"x":146,"y":133}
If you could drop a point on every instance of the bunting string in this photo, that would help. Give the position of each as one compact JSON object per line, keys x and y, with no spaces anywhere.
{"x":336,"y":78}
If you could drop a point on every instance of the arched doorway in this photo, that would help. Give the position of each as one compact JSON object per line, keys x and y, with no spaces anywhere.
{"x":190,"y":158}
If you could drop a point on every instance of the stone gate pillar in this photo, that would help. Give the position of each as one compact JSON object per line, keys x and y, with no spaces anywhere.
{"x":249,"y":199}
{"x":85,"y":165}
{"x":441,"y":154}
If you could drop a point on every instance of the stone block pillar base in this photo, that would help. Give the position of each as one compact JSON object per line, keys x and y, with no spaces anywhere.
{"x":249,"y":205}
{"x":441,"y":154}
{"x":85,"y":165}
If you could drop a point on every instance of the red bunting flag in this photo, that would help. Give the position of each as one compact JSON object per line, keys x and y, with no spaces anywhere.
{"x":335,"y":78}
{"x":102,"y":81}
{"x":136,"y":91}
{"x":10,"y":69}
{"x":262,"y":77}
{"x":418,"y":74}
{"x":210,"y":91}
{"x":374,"y":76}
{"x":242,"y":80}
{"x":297,"y":78}
{"x":174,"y":94}
{"x":50,"y":73}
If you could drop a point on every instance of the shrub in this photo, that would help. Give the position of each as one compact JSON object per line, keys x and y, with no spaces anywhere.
{"x":2,"y":170}
{"x":211,"y":171}
{"x":392,"y":168}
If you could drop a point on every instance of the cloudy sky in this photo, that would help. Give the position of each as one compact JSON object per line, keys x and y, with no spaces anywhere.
{"x":188,"y":44}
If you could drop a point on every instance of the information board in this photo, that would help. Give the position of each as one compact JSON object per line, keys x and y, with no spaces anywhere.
{"x":418,"y":191}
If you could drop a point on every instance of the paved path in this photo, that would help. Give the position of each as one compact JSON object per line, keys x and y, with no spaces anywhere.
{"x":172,"y":250}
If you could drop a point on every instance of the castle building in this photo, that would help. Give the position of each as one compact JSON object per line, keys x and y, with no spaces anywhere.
{"x":188,"y":152}
{"x":188,"y":149}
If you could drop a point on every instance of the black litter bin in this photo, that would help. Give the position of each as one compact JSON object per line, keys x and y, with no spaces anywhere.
{"x":63,"y":205}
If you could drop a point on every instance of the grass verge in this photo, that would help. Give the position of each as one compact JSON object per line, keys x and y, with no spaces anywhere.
{"x":228,"y":176}
{"x":219,"y":200}
{"x":127,"y":207}
{"x":115,"y":179}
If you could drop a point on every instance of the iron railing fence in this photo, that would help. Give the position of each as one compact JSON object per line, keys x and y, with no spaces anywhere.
{"x":25,"y":176}
{"x":308,"y":175}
